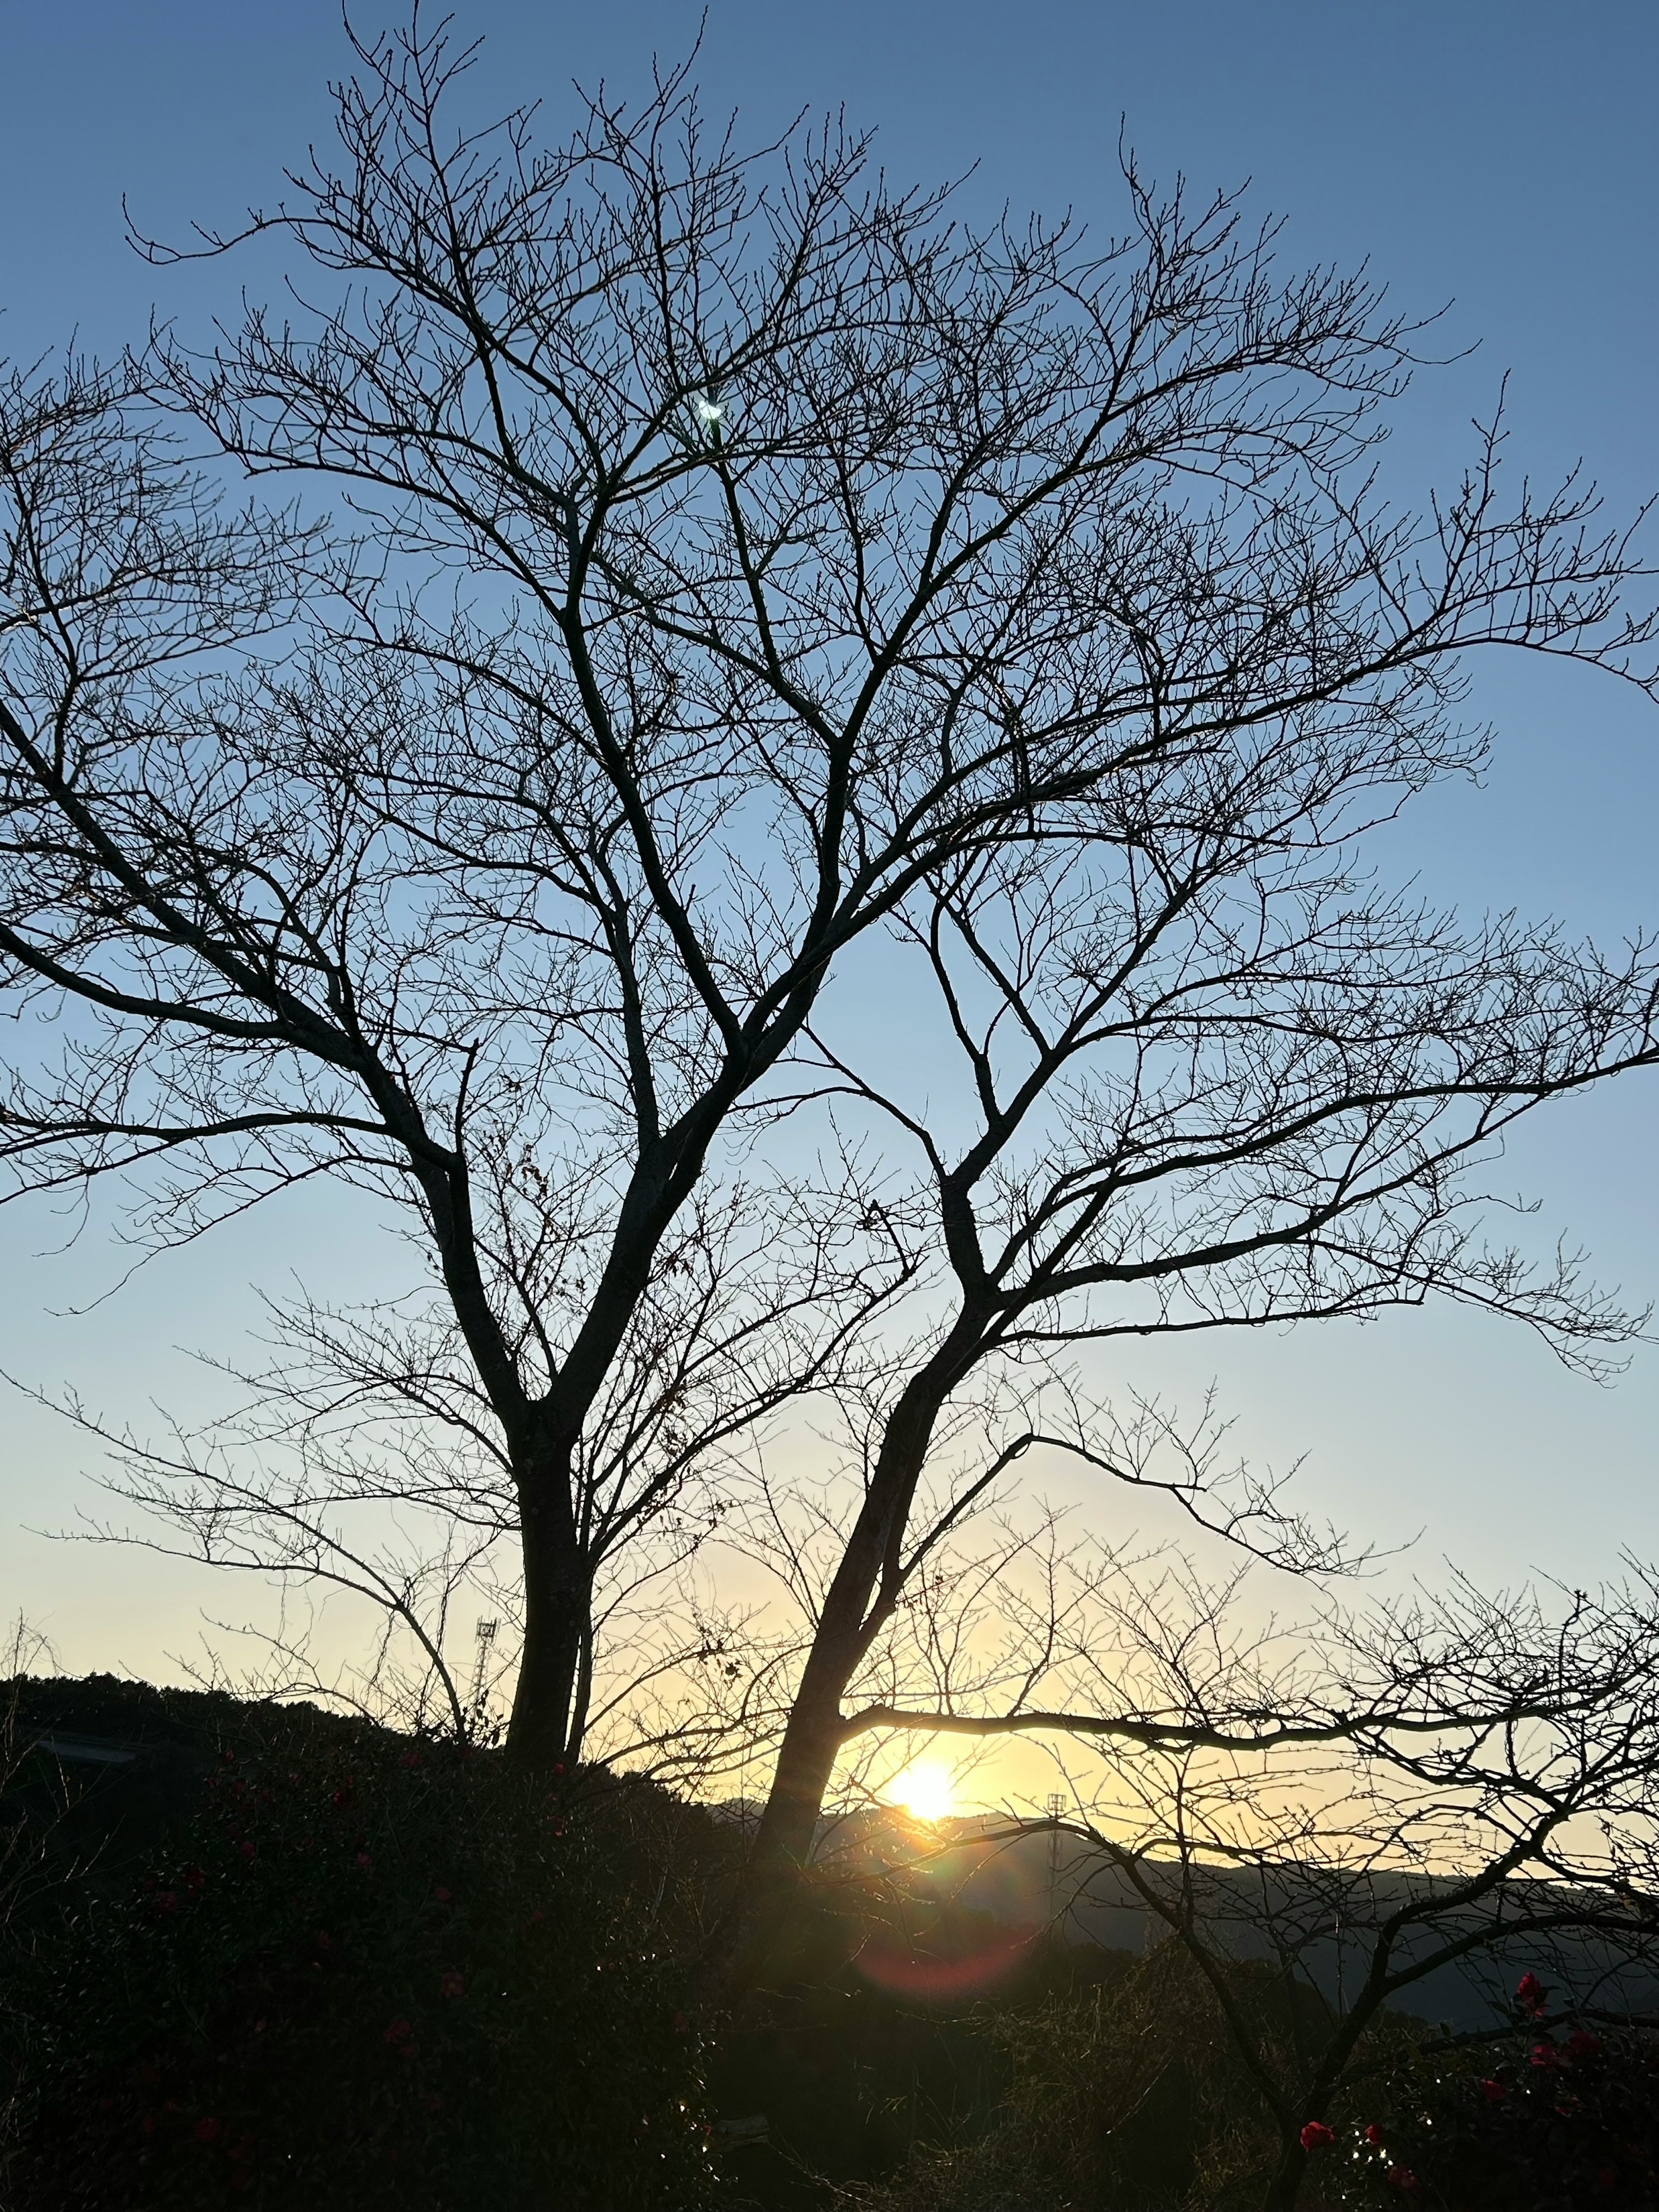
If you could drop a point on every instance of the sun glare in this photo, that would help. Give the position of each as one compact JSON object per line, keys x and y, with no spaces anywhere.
{"x":924,"y":1792}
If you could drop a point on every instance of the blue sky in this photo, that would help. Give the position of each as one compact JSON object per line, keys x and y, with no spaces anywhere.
{"x":1498,"y":156}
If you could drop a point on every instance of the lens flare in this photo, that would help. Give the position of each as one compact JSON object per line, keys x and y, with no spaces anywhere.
{"x":924,"y":1792}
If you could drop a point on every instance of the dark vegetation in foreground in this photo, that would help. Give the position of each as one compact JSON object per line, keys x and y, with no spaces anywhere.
{"x":291,"y":1959}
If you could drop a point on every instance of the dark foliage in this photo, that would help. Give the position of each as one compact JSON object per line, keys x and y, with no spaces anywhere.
{"x":353,"y":1968}
{"x":887,"y":2023}
{"x":1127,"y":2096}
{"x":1558,"y":2118}
{"x":287,"y":1960}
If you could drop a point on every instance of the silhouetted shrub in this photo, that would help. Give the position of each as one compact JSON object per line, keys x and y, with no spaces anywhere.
{"x":354,"y":1969}
{"x":1562,"y":2119}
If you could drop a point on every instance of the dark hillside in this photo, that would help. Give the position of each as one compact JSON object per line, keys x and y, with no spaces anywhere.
{"x":275,"y":1956}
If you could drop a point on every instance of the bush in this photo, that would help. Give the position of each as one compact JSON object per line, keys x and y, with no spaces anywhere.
{"x":1565,"y":2120}
{"x":359,"y":1970}
{"x":1129,"y":2095}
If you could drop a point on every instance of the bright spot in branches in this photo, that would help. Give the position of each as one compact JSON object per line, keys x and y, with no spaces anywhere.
{"x":708,"y":412}
{"x":924,"y":1792}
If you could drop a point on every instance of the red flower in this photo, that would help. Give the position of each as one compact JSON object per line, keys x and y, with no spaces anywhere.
{"x":1531,"y":1994}
{"x":452,"y":1983}
{"x":343,"y":1796}
{"x":163,"y":1901}
{"x":205,"y":2130}
{"x":364,"y":1860}
{"x":247,"y":1850}
{"x":1401,"y":2177}
{"x":1493,"y":2092}
{"x":1546,"y":2054}
{"x":1580,"y":2042}
{"x":1316,"y":2137}
{"x":325,"y":1940}
{"x":399,"y":2032}
{"x":442,"y":1894}
{"x":1373,"y":2134}
{"x":193,"y":1877}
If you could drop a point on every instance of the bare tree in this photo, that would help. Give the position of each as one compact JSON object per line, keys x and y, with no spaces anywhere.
{"x":1342,"y":1818}
{"x":1208,"y":1076}
{"x":744,"y":560}
{"x":1494,"y":1811}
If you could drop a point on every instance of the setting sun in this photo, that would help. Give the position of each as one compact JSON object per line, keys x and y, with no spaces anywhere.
{"x":924,"y":1792}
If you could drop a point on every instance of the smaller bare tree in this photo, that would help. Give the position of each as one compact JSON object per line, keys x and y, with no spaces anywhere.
{"x":1484,"y":1803}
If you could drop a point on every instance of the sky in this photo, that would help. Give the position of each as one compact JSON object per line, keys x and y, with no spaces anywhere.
{"x":1497,"y":157}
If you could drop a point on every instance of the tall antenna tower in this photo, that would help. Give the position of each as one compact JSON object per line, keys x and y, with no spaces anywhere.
{"x":1055,"y":1809}
{"x":478,"y":1704}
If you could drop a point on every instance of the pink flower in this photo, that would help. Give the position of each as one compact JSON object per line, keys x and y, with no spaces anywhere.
{"x":1493,"y":2092}
{"x":1401,"y":2177}
{"x":205,"y":2130}
{"x":442,"y":1894}
{"x":1546,"y":2054}
{"x":1373,"y":2134}
{"x":1580,"y":2042}
{"x":364,"y":1861}
{"x":398,"y":2032}
{"x":452,"y":1983}
{"x":1531,"y":1994}
{"x":1316,"y":2137}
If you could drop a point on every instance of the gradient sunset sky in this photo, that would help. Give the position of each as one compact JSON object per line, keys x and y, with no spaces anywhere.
{"x":1496,"y":156}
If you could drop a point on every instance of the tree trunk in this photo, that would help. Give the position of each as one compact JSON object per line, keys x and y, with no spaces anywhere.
{"x":558,"y":1601}
{"x":782,"y":1847}
{"x":812,"y":1738}
{"x":1286,"y":2184}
